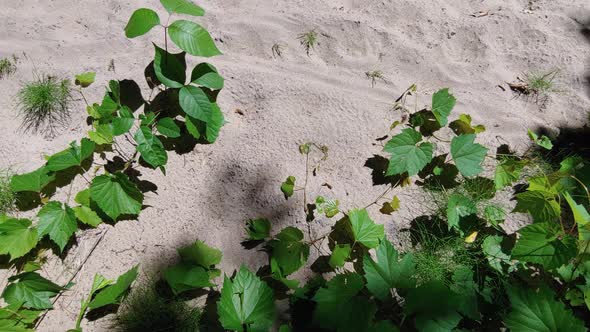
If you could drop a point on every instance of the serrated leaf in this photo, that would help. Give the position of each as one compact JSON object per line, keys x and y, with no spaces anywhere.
{"x":33,"y":181}
{"x":541,"y":205}
{"x":58,"y":221}
{"x":168,"y":128}
{"x":102,"y":134}
{"x":31,"y":290}
{"x":329,"y":207}
{"x":536,"y":311}
{"x":17,"y":237}
{"x":113,"y":294}
{"x":116,"y":195}
{"x":192,"y":38}
{"x":85,"y":79}
{"x":435,"y":307}
{"x":388,"y":271}
{"x":390,"y":207}
{"x":201,"y":254}
{"x":195,"y":103}
{"x":258,"y":229}
{"x":72,"y":156}
{"x":543,"y":142}
{"x":141,"y":22}
{"x":289,"y":251}
{"x":468,"y":156}
{"x":288,"y":186}
{"x":184,"y":277}
{"x":246,"y":302}
{"x":463,"y":126}
{"x":87,"y":216}
{"x":170,"y":68}
{"x":364,"y":229}
{"x":492,"y":249}
{"x":123,"y":122}
{"x":459,"y":206}
{"x":182,"y":7}
{"x":540,"y":243}
{"x":406,"y":155}
{"x":150,"y":147}
{"x":339,"y":255}
{"x":507,"y":172}
{"x":205,"y":74}
{"x":442,"y":105}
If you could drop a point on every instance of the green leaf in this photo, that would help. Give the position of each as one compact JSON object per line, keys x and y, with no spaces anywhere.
{"x":123,"y":123}
{"x":581,"y":217}
{"x":201,"y":254}
{"x":85,"y":79}
{"x":116,"y":195}
{"x":463,"y":126}
{"x":141,"y":22}
{"x":390,"y":207}
{"x":150,"y":147}
{"x":195,"y":103}
{"x":246,"y":302}
{"x":435,"y":307}
{"x":87,"y":216}
{"x":329,"y":207}
{"x":494,"y":214}
{"x":442,"y":105}
{"x":288,"y":250}
{"x":170,"y":68}
{"x":543,"y":142}
{"x":114,"y":293}
{"x":184,"y":277}
{"x":288,"y":186}
{"x":406,"y":156}
{"x":459,"y":206}
{"x":339,"y":255}
{"x":17,"y":237}
{"x":73,"y":156}
{"x":182,"y":7}
{"x":205,"y":74}
{"x":468,"y":156}
{"x":258,"y":229}
{"x":58,"y":221}
{"x":388,"y":271}
{"x":102,"y":134}
{"x":168,"y":128}
{"x":33,"y":181}
{"x":540,"y":243}
{"x":192,"y":38}
{"x":32,"y":290}
{"x":507,"y":172}
{"x":492,"y":249}
{"x":364,"y":229}
{"x":537,"y":311}
{"x":213,"y":126}
{"x":541,"y":205}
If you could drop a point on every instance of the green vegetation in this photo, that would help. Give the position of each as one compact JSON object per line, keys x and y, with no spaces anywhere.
{"x":7,"y":196}
{"x":44,"y":104}
{"x":308,"y":40}
{"x":536,"y":85}
{"x":8,"y":66}
{"x":375,"y":75}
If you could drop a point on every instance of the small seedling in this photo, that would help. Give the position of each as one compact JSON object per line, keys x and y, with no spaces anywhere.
{"x":277,"y":50}
{"x":8,"y":66}
{"x":308,"y":40}
{"x":375,"y":75}
{"x":535,"y":85}
{"x":43,"y":104}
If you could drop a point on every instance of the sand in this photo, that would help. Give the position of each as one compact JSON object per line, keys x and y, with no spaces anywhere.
{"x":325,"y":98}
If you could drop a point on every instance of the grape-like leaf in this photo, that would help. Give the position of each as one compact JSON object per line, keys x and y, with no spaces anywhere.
{"x":258,"y":229}
{"x":58,"y":221}
{"x":492,"y":249}
{"x":543,"y":243}
{"x":246,"y":303}
{"x":201,"y":254}
{"x":541,"y":205}
{"x":435,"y":307}
{"x":184,"y":277}
{"x":459,"y":206}
{"x":463,"y":126}
{"x":406,"y":155}
{"x":289,"y":251}
{"x":168,"y":128}
{"x":115,"y":194}
{"x":339,"y":255}
{"x":170,"y":68}
{"x":507,"y":172}
{"x":364,"y":229}
{"x":195,"y":103}
{"x":182,"y":7}
{"x":543,"y":142}
{"x":205,"y":74}
{"x":123,"y":123}
{"x":33,"y":181}
{"x":150,"y":147}
{"x":113,"y":294}
{"x":85,"y":79}
{"x":390,"y":207}
{"x":468,"y":156}
{"x":388,"y":272}
{"x":288,"y":186}
{"x":17,"y":237}
{"x":31,"y":290}
{"x":442,"y":105}
{"x":72,"y":156}
{"x":329,"y":207}
{"x":87,"y":216}
{"x":192,"y":38}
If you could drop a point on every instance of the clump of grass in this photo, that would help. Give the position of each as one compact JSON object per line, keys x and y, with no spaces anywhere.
{"x":375,"y":75}
{"x":536,"y":85}
{"x":277,"y":50}
{"x":308,"y":40}
{"x":8,"y":66}
{"x":146,"y":310}
{"x":44,"y":103}
{"x":7,"y":196}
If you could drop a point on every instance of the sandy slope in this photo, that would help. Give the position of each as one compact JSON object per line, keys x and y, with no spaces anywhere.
{"x":325,"y":98}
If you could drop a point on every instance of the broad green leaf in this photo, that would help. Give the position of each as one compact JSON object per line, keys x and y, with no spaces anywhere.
{"x":288,"y":186}
{"x":15,"y":318}
{"x":195,"y":103}
{"x":141,"y":22}
{"x":538,"y":311}
{"x":201,"y":254}
{"x":170,"y":68}
{"x":58,"y":221}
{"x":168,"y":128}
{"x":87,"y":216}
{"x":494,"y":214}
{"x":102,"y":134}
{"x":435,"y":307}
{"x":364,"y":229}
{"x":459,"y":206}
{"x":581,"y":217}
{"x":33,"y":181}
{"x":388,"y":271}
{"x":543,"y":142}
{"x":246,"y":303}
{"x":184,"y":277}
{"x":329,"y":207}
{"x":72,"y":156}
{"x":150,"y":147}
{"x":83,"y":197}
{"x":85,"y":79}
{"x":468,"y":156}
{"x":258,"y":229}
{"x":182,"y":7}
{"x":123,"y":123}
{"x":32,"y":290}
{"x":442,"y":105}
{"x":115,"y":194}
{"x":541,"y":205}
{"x":113,"y":294}
{"x":192,"y":38}
{"x":339,"y":255}
{"x":466,"y":289}
{"x":390,"y":207}
{"x":406,"y":155}
{"x":507,"y":172}
{"x":206,"y":75}
{"x":463,"y":126}
{"x":492,"y":249}
{"x":289,"y":251}
{"x":544,"y":244}
{"x":17,"y":237}
{"x":213,"y":126}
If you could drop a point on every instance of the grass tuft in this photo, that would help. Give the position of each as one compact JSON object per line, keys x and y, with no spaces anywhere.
{"x":44,"y":104}
{"x":536,"y":85}
{"x":308,"y":40}
{"x":8,"y":66}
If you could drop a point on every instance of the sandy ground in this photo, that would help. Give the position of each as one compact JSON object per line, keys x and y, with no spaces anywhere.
{"x":325,"y":98}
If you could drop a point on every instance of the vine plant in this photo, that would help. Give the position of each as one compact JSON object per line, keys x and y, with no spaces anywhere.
{"x":182,"y":113}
